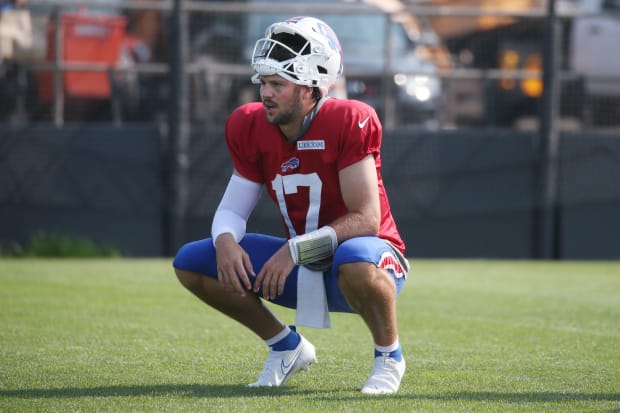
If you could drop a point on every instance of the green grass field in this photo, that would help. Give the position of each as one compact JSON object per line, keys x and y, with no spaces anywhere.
{"x":479,"y":336}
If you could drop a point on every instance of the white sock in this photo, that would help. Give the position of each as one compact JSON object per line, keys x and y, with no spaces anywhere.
{"x":388,"y":349}
{"x":273,"y":340}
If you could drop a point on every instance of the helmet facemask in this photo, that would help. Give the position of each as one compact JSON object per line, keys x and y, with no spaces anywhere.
{"x":281,"y":54}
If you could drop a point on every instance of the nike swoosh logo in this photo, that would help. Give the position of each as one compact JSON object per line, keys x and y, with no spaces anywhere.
{"x":363,"y":123}
{"x":286,"y":368}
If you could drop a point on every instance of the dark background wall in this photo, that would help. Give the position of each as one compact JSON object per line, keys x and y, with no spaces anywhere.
{"x":454,"y":194}
{"x":97,"y":181}
{"x":589,"y":192}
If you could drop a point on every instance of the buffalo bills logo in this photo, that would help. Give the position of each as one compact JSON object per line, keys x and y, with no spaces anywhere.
{"x":292,"y":163}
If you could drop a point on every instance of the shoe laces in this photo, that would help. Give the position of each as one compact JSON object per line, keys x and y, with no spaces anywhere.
{"x":383,"y":364}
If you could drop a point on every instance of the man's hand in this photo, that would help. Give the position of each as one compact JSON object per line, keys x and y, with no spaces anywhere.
{"x":274,"y":273}
{"x":233,"y":265}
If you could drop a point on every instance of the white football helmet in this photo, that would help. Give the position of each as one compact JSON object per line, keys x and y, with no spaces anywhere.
{"x":303,"y":50}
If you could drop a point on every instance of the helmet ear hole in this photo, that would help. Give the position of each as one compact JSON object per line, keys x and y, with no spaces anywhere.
{"x":292,"y":69}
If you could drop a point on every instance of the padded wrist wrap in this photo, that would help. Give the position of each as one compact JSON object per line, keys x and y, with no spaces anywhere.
{"x":313,"y":246}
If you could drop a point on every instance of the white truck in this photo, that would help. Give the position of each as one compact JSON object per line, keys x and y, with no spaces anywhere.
{"x":595,"y":55}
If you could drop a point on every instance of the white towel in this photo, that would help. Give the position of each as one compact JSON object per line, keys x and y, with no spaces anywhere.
{"x":312,"y":309}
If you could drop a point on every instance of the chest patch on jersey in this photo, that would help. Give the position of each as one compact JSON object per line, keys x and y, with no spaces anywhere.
{"x":292,"y":163}
{"x":318,"y":144}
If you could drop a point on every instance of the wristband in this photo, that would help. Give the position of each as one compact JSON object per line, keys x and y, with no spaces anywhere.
{"x":313,"y":246}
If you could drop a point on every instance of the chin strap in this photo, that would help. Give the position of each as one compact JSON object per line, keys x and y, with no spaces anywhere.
{"x":309,"y":118}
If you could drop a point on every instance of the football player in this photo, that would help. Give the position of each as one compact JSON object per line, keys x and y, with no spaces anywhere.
{"x":318,"y":158}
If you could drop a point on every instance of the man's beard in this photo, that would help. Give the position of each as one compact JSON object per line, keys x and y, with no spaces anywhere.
{"x":284,"y":118}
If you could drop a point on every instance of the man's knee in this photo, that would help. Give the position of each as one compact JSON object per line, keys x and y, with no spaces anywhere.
{"x":356,"y":278}
{"x":362,"y":278}
{"x":188,"y":279}
{"x":355,"y":273}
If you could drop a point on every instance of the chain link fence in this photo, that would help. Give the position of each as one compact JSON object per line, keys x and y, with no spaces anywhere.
{"x":425,"y":66}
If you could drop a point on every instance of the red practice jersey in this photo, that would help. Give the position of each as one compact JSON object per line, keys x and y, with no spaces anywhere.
{"x":302,"y":177}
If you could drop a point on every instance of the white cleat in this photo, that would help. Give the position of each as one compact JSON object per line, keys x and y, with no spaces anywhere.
{"x":385,"y":376}
{"x":281,"y":365}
